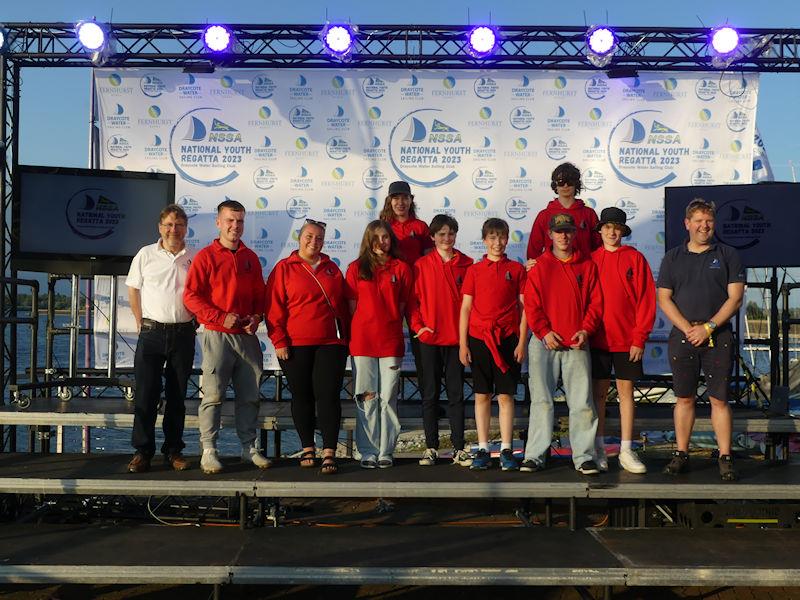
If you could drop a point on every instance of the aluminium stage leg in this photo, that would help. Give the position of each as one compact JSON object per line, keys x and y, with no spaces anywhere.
{"x":573,"y":516}
{"x":217,"y":592}
{"x":242,"y":512}
{"x":548,"y":512}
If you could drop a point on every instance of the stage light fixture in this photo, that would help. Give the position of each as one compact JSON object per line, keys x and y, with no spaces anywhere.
{"x":93,"y":37}
{"x":482,"y":41}
{"x":601,"y":44}
{"x":338,"y":39}
{"x":217,"y":38}
{"x":724,"y":40}
{"x":3,"y":36}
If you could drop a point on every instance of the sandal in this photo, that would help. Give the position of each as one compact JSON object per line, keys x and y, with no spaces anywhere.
{"x":308,"y":459}
{"x":329,"y":466}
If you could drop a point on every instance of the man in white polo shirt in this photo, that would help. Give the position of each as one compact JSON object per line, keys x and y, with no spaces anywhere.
{"x":166,"y":340}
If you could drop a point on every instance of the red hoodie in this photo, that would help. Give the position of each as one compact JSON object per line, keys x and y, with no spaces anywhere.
{"x":629,"y":299}
{"x":297,"y":312}
{"x":413,"y":239}
{"x":564,"y":297}
{"x":221,"y":282}
{"x":586,"y":238}
{"x":495,"y":287}
{"x":377,"y":327}
{"x":437,"y":297}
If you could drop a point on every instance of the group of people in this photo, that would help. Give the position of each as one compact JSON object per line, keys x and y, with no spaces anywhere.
{"x":587,"y":299}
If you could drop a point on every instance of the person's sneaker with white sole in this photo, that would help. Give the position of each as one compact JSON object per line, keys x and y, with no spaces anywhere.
{"x":429,"y":457}
{"x":588,"y":468}
{"x":253,"y":455}
{"x":629,"y":461}
{"x":462,"y":458}
{"x":209,"y":462}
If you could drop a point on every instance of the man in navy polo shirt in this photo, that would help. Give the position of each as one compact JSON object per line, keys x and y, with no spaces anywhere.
{"x":700,"y":287}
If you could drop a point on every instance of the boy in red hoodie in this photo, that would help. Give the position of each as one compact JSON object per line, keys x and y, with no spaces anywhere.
{"x":563,"y":304}
{"x":492,"y":334}
{"x":566,"y":182}
{"x":629,"y":309}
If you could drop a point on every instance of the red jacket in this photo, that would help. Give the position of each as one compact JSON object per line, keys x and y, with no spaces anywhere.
{"x":221,"y":282}
{"x":629,"y":299}
{"x":437,"y":297}
{"x":377,"y":327}
{"x":564,"y":297}
{"x":297,"y":312}
{"x":495,"y":287}
{"x":586,"y":238}
{"x":413,"y":239}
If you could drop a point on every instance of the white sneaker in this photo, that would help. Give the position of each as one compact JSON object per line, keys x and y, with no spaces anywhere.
{"x":602,"y":459}
{"x":429,"y":457}
{"x":630,"y":462}
{"x":209,"y":462}
{"x":462,"y":458}
{"x":253,"y":455}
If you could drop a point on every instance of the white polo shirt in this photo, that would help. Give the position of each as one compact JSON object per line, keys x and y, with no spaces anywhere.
{"x":161,"y":277}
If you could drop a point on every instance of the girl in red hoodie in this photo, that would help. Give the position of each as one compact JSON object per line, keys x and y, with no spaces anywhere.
{"x":379,"y":286}
{"x":307,"y":316}
{"x":629,"y":309}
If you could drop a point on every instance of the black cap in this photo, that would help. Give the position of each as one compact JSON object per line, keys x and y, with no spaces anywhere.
{"x":562,"y":222}
{"x":614,"y":215}
{"x":399,"y":187}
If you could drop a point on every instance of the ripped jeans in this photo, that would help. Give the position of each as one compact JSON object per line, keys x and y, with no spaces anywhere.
{"x":377,"y":425}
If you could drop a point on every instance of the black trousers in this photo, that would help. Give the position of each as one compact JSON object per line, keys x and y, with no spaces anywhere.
{"x":315,"y":375}
{"x":442,"y":361}
{"x":168,"y":350}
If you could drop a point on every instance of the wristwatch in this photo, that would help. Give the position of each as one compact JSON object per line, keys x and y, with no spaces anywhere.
{"x":711,"y":325}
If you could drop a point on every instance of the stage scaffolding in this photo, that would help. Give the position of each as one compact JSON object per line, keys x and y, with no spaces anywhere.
{"x":54,"y":45}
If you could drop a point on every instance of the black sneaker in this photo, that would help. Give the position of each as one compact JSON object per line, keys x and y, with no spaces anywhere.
{"x":726,"y":470}
{"x":678,"y":464}
{"x":531,"y":466}
{"x":588,"y":468}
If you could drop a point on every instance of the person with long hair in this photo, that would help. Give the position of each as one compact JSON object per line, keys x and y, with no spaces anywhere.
{"x":379,"y":286}
{"x":307,"y":321}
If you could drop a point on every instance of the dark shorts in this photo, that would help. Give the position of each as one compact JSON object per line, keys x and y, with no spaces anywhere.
{"x":604,"y":360}
{"x":687,"y":361}
{"x":487,"y":378}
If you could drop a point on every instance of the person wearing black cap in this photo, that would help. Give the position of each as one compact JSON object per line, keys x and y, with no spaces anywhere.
{"x":700,"y":287}
{"x":629,"y":309}
{"x":563,"y":305}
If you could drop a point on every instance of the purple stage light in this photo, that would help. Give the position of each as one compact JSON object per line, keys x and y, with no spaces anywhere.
{"x":338,"y":39}
{"x":724,"y":40}
{"x":601,"y":40}
{"x":482,"y":41}
{"x":91,"y":35}
{"x":217,"y":38}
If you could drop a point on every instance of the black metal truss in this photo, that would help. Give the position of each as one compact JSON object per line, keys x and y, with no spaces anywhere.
{"x":401,"y":46}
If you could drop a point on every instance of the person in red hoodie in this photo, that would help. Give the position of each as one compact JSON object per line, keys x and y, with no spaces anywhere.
{"x":435,"y":306}
{"x":629,"y":309}
{"x":564,"y":305}
{"x":493,"y":334}
{"x":225,"y":291}
{"x":379,"y":286}
{"x":307,"y":316}
{"x":566,"y":182}
{"x":413,"y":241}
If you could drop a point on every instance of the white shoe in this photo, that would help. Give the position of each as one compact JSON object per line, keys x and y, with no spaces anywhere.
{"x":602,"y":459}
{"x":253,"y":455}
{"x":429,"y":457}
{"x":209,"y":462}
{"x":630,"y":462}
{"x":462,"y":458}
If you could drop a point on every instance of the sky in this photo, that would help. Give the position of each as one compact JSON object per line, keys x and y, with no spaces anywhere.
{"x":54,"y":130}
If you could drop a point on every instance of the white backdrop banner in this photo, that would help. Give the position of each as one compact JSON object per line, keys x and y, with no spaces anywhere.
{"x":291,"y":144}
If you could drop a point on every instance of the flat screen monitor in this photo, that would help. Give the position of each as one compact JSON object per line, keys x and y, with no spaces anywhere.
{"x":84,"y":221}
{"x":758,"y":220}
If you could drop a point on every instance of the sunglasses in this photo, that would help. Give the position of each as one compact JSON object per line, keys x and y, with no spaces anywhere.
{"x":322,"y":224}
{"x":565,"y":181}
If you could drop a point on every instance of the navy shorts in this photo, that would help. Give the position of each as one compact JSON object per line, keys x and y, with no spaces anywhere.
{"x":624,"y":368}
{"x":487,"y":378}
{"x":687,"y":361}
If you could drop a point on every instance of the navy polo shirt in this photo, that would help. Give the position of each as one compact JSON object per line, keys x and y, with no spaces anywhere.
{"x":699,"y":281}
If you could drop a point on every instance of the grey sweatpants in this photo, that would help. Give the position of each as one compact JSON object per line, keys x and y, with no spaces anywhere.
{"x":230,"y":358}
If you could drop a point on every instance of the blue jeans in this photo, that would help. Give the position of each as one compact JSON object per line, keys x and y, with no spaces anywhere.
{"x":544,"y":367}
{"x":377,"y":425}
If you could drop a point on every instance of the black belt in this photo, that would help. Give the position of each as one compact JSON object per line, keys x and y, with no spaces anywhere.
{"x":149,"y":324}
